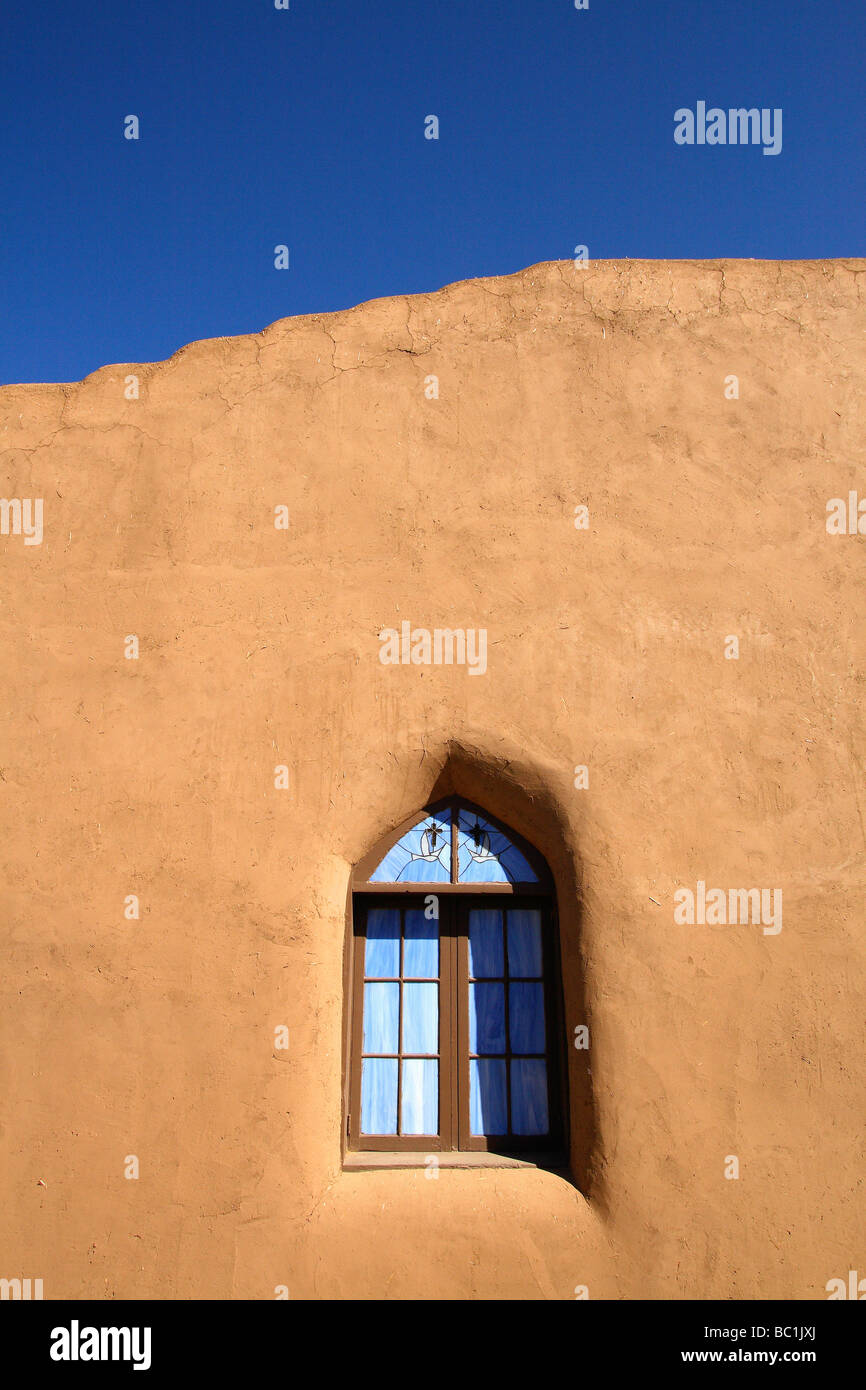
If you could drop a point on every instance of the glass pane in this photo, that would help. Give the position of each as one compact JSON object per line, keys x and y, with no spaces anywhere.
{"x":422,"y":855}
{"x":485,"y":942}
{"x":524,"y":941}
{"x":528,"y":1096}
{"x":421,"y":948}
{"x":420,"y":1018}
{"x":381,"y":1012}
{"x":379,"y":1095}
{"x":526,"y":1017}
{"x":516,"y":866}
{"x":420,"y":1099}
{"x":486,"y":1018}
{"x":488,"y":1112}
{"x":486,"y":855}
{"x":382,"y":955}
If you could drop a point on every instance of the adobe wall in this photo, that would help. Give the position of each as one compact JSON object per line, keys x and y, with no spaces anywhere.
{"x":602,"y":386}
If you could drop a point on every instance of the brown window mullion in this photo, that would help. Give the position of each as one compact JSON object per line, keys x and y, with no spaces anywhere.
{"x":400,"y":1027}
{"x":507,"y":993}
{"x":448,"y":1045}
{"x":357,"y":1034}
{"x":461,"y":1012}
{"x":454,"y":832}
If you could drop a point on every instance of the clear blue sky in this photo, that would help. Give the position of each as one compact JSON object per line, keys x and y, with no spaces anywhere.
{"x":306,"y":127}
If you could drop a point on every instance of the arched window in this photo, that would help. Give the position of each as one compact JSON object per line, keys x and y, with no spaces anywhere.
{"x":455,"y":1036}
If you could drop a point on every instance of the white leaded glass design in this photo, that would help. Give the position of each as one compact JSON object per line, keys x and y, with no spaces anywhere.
{"x":486,"y":855}
{"x":422,"y":855}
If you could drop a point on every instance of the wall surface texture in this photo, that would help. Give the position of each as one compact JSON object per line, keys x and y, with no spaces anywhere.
{"x":605,"y":386}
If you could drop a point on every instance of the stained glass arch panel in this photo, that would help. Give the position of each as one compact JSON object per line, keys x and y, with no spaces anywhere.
{"x":421,"y":855}
{"x":456,"y":844}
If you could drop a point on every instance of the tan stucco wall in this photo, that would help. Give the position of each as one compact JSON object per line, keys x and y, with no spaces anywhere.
{"x":559,"y":386}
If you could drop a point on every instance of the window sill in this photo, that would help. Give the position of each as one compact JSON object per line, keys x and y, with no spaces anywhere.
{"x":369,"y":1159}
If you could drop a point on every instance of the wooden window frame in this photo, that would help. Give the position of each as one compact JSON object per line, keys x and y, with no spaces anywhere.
{"x":457,"y":899}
